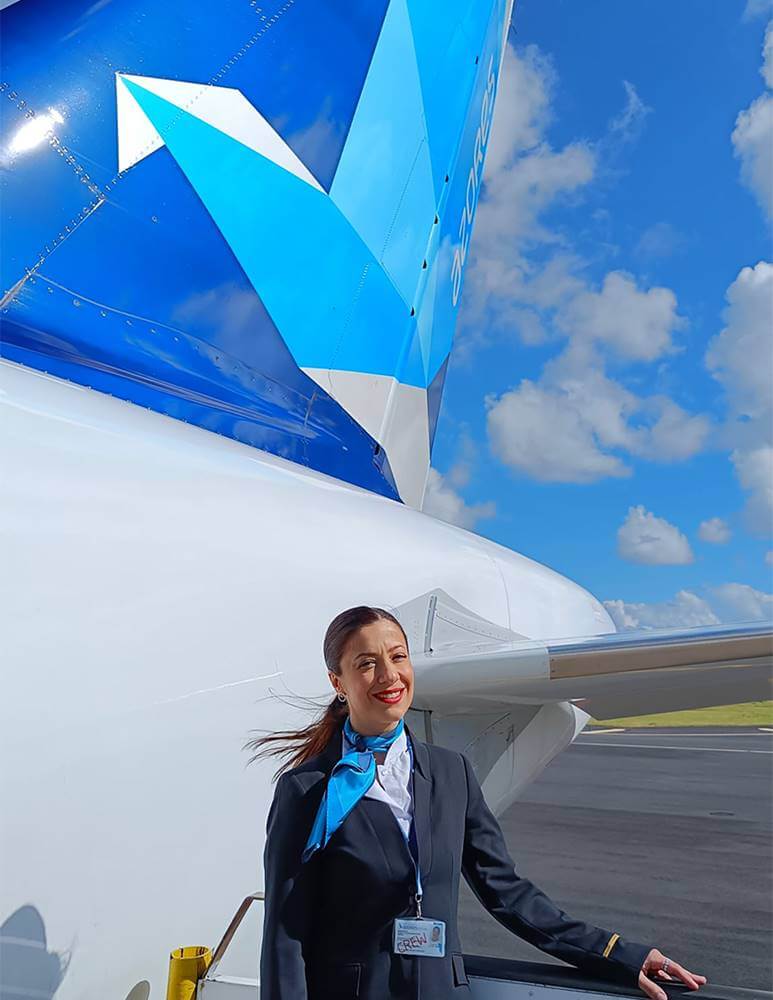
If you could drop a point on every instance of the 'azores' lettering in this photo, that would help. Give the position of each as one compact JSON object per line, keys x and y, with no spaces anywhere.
{"x":474,"y":179}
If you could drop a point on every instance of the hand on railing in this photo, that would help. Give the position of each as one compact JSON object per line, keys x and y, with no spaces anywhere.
{"x":667,"y":970}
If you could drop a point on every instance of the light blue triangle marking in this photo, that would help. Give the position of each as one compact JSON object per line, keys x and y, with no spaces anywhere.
{"x":332,"y":302}
{"x":447,"y":40}
{"x":383,"y":183}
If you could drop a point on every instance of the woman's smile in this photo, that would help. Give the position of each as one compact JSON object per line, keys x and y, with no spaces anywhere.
{"x":375,"y":677}
{"x":390,"y":696}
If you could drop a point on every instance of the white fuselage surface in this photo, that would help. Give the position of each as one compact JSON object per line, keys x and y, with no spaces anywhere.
{"x":165,"y":591}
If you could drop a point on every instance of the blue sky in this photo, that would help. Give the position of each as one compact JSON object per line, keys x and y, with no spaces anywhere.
{"x":607,"y":409}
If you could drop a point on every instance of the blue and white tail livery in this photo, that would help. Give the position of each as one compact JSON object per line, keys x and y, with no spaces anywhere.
{"x":233,"y":243}
{"x":255,"y":220}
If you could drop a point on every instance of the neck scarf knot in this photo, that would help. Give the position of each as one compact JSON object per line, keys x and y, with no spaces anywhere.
{"x":349,"y":780}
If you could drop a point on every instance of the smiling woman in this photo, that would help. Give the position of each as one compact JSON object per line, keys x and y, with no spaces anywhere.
{"x":368,"y":833}
{"x":358,"y":645}
{"x":376,"y":677}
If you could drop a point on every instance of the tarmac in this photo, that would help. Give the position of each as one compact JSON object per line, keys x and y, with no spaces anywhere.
{"x":663,"y":835}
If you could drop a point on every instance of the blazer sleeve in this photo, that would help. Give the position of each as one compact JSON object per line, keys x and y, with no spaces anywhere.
{"x":526,"y":911}
{"x":289,"y":897}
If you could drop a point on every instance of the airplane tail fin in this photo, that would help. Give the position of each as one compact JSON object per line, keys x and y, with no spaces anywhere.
{"x":255,"y":220}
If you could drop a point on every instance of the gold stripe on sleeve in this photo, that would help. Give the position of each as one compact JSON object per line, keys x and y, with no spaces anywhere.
{"x":610,"y":945}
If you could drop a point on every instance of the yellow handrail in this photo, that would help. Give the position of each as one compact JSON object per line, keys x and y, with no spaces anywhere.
{"x":186,"y":967}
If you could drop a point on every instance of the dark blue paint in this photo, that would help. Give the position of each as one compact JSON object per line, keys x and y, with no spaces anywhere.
{"x":165,"y":316}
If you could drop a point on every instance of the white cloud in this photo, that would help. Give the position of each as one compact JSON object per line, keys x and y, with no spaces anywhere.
{"x":726,"y":604}
{"x":741,"y":358}
{"x":714,"y":530}
{"x":753,"y":141}
{"x":686,"y":610}
{"x":754,"y":469}
{"x":757,"y":8}
{"x":660,"y":240}
{"x":524,"y":176}
{"x":769,"y":557}
{"x":752,"y":136}
{"x":741,"y":603}
{"x":516,"y":195}
{"x":645,"y":538}
{"x":442,"y":498}
{"x":546,"y":435}
{"x":460,"y":473}
{"x":568,"y":426}
{"x":573,"y":423}
{"x":522,"y":110}
{"x":767,"y":56}
{"x":628,"y":124}
{"x":675,"y":435}
{"x":636,"y":325}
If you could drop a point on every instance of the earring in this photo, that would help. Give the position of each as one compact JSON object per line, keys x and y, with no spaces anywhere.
{"x":341,"y":697}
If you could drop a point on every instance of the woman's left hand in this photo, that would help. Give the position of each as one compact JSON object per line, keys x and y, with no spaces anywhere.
{"x":667,"y":970}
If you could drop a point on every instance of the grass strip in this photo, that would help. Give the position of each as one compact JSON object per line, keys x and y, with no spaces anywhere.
{"x":752,"y":713}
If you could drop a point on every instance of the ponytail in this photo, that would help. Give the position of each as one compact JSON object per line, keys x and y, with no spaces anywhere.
{"x":299,"y":745}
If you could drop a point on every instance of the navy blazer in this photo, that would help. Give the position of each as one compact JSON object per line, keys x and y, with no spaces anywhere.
{"x":327,"y":932}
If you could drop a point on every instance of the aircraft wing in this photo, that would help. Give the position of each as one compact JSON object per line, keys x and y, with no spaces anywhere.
{"x":465,"y":665}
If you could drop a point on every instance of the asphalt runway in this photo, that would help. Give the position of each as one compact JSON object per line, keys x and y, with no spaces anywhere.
{"x":661,"y":835}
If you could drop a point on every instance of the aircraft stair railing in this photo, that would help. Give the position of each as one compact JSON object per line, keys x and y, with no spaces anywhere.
{"x":489,"y":978}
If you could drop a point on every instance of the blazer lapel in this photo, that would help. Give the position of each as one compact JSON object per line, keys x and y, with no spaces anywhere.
{"x":330,"y":756}
{"x":422,"y":791}
{"x":380,"y":821}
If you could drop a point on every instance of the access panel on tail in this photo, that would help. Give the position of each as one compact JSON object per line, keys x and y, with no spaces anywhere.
{"x":251,"y":217}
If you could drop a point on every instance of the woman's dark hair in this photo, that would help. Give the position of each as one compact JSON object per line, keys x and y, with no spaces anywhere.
{"x":298,"y":745}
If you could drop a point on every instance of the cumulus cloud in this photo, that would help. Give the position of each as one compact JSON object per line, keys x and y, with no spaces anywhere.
{"x":757,"y":8}
{"x":441,"y":500}
{"x":524,"y":176}
{"x":635,"y":324}
{"x":714,"y":530}
{"x":686,"y":610}
{"x":741,"y":358}
{"x":742,"y":603}
{"x":574,"y":422}
{"x":767,"y":57}
{"x":753,"y":141}
{"x":645,"y":538}
{"x":754,"y":469}
{"x":545,"y":434}
{"x":674,"y":435}
{"x":723,"y":605}
{"x":752,"y":136}
{"x":523,"y":106}
{"x":578,"y":425}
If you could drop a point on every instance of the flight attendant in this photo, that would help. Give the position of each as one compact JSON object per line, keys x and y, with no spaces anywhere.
{"x":367,"y":835}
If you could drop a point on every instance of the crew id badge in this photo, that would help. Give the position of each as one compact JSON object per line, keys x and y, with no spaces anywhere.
{"x":419,"y":936}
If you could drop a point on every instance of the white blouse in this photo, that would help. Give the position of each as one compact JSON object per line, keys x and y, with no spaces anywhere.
{"x":393,"y":781}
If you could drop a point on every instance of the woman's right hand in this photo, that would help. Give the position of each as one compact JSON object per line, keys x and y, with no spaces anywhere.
{"x":666,"y":969}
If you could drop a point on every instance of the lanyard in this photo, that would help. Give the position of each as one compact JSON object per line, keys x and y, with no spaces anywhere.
{"x":415,"y":832}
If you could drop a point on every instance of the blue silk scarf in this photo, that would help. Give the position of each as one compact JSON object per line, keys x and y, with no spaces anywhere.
{"x":349,"y":780}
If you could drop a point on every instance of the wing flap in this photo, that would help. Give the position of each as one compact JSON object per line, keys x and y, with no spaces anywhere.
{"x":660,"y":650}
{"x":466,"y":665}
